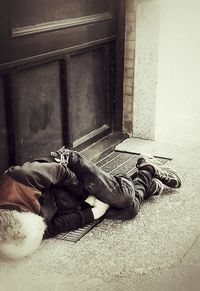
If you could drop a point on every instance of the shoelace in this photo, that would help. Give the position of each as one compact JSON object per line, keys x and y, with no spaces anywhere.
{"x":163,"y":175}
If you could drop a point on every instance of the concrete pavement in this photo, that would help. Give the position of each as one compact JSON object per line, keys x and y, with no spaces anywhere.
{"x":158,"y":250}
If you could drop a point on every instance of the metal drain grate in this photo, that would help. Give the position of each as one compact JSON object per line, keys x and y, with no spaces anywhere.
{"x":114,"y":162}
{"x":76,"y":235}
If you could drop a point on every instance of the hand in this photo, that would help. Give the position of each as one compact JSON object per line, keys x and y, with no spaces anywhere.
{"x":99,"y":208}
{"x":90,"y":200}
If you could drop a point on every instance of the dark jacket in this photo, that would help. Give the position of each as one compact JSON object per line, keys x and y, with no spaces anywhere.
{"x":48,"y":189}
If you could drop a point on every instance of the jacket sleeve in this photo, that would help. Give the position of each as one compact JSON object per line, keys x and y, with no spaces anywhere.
{"x":41,"y":175}
{"x":68,"y":222}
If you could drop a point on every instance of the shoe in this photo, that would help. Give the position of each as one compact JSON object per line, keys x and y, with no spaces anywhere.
{"x":156,"y":187}
{"x":166,"y":175}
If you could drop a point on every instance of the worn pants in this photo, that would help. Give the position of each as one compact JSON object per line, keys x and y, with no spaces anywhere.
{"x":120,"y":191}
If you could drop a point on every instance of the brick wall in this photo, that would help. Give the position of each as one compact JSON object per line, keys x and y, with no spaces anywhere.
{"x":129,"y":66}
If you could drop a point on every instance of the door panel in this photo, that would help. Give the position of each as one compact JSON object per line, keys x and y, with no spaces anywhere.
{"x":37,"y":111}
{"x":87,"y":79}
{"x":44,"y":26}
{"x":33,"y":12}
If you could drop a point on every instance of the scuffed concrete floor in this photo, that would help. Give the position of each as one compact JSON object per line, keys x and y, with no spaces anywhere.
{"x":159,"y":250}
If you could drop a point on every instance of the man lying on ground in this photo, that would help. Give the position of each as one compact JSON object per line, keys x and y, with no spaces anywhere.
{"x":65,"y":191}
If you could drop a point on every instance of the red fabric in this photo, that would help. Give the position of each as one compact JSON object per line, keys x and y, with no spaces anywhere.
{"x":15,"y":193}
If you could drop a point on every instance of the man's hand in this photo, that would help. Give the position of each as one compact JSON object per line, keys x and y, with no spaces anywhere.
{"x":99,"y":208}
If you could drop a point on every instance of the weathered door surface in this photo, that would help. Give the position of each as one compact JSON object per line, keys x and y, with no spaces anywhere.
{"x":61,"y":67}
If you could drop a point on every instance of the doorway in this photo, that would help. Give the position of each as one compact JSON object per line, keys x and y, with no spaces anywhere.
{"x":61,"y":80}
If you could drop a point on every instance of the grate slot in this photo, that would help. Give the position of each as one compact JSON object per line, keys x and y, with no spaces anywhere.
{"x":76,"y":235}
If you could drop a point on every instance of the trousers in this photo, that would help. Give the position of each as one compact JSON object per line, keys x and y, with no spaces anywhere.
{"x":119,"y":191}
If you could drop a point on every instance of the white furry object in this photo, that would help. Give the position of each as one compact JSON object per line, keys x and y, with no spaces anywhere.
{"x":32,"y":231}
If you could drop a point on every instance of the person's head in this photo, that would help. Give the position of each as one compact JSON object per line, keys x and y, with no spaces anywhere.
{"x":20,"y":233}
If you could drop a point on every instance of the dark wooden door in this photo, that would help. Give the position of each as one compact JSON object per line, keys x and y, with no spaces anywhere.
{"x":61,"y":72}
